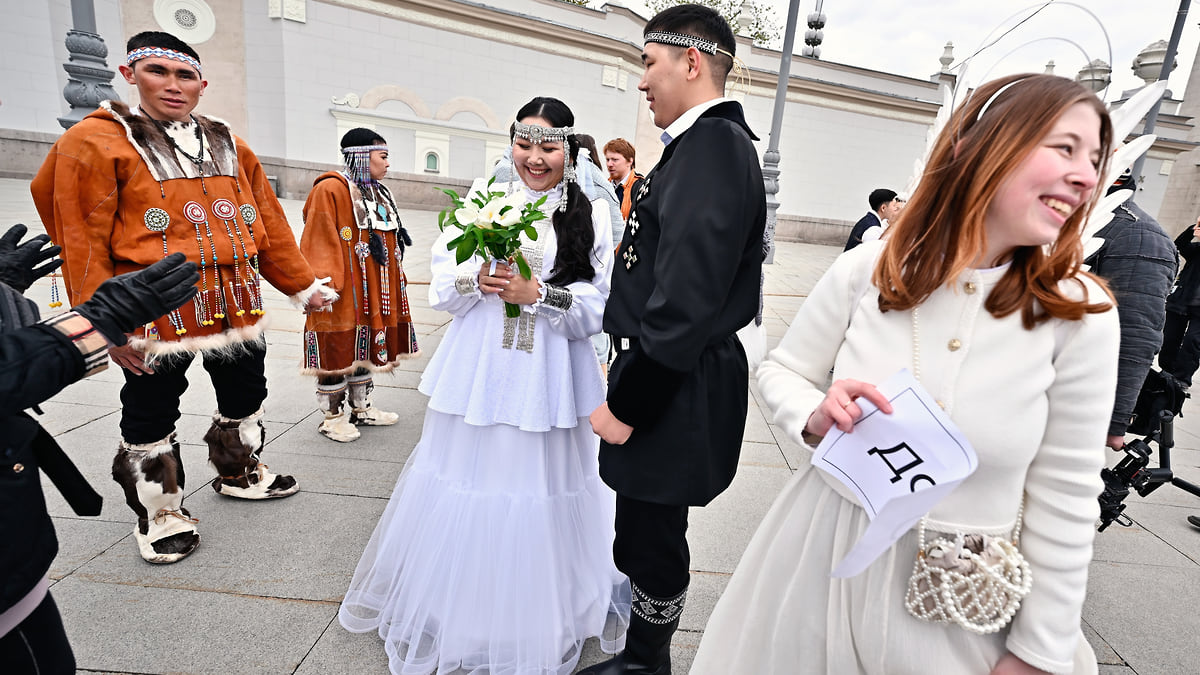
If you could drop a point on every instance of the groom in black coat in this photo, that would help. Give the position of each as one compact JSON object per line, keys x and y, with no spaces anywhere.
{"x":686,"y":278}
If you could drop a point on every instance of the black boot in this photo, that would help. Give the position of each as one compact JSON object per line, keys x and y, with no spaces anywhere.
{"x":648,"y":642}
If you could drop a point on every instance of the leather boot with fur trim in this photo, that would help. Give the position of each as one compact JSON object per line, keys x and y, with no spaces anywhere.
{"x":363,"y":411}
{"x":151,"y":475}
{"x":233,"y":449}
{"x":652,"y":622}
{"x":336,"y":425}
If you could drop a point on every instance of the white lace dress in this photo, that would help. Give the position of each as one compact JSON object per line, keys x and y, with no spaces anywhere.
{"x":494,"y":555}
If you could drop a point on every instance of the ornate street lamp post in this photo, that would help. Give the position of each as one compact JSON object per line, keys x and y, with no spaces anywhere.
{"x":771,"y":156}
{"x":89,"y":79}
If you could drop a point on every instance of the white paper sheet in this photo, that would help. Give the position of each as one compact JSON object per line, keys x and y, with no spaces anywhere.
{"x":899,"y":465}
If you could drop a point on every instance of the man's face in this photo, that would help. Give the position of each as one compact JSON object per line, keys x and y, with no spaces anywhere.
{"x":891,"y":209}
{"x":664,"y":81}
{"x":167,"y":89}
{"x":618,"y":165}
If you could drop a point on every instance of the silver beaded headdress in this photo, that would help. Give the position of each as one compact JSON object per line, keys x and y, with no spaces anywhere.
{"x":685,"y":41}
{"x":357,"y":159}
{"x":536,"y":133}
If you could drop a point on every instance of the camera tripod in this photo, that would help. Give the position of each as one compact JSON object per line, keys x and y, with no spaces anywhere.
{"x":1134,"y":472}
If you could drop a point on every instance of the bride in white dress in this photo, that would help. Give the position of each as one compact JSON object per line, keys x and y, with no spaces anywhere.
{"x":494,"y":555}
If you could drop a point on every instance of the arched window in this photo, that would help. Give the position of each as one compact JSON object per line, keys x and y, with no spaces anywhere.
{"x":432,"y":163}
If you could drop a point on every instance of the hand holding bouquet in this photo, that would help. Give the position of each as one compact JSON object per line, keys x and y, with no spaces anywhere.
{"x":492,"y":224}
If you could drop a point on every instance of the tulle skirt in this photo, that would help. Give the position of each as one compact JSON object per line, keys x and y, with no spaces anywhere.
{"x":783,"y":613}
{"x":494,"y":555}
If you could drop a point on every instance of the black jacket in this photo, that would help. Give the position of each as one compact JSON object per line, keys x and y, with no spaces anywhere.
{"x":856,"y":233}
{"x":36,"y":362}
{"x":686,"y":279}
{"x":1185,"y":297}
{"x":1139,"y":263}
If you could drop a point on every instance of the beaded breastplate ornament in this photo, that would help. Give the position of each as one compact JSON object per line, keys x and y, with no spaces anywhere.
{"x":157,"y":220}
{"x":210,"y":302}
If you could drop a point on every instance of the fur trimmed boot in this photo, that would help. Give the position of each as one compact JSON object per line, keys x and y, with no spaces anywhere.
{"x":233,"y":449}
{"x":336,"y":426}
{"x":151,"y":475}
{"x":362,"y":411}
{"x":652,"y":622}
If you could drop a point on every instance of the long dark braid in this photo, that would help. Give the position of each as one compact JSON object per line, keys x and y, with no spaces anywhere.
{"x":573,"y":227}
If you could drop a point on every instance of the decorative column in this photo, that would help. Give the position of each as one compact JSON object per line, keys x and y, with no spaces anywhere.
{"x":770,"y":167}
{"x":89,"y":79}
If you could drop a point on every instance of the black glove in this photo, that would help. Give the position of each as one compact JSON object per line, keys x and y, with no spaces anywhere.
{"x":19,"y":262}
{"x":130,"y":300}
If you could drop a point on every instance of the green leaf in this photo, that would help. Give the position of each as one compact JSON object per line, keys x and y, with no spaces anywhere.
{"x":523,"y":266}
{"x":456,"y":241}
{"x":539,"y":202}
{"x":531,"y":232}
{"x":464,"y":251}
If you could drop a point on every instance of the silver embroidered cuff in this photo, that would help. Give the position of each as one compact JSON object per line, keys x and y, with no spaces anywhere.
{"x":466,"y":284}
{"x":557,"y":297}
{"x":654,"y":610}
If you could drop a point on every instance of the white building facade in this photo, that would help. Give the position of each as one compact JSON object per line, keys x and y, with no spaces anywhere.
{"x":442,"y":79}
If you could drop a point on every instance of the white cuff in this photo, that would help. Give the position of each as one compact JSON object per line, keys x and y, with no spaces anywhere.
{"x":300,"y":300}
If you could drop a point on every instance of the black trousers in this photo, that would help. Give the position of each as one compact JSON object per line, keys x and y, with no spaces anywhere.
{"x":1180,"y":355}
{"x":651,"y":546}
{"x":38,"y":644}
{"x":150,"y":403}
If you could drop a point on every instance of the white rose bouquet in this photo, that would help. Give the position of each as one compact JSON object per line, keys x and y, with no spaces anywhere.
{"x":492,"y":224}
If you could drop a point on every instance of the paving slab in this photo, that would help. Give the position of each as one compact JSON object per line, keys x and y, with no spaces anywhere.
{"x":133,"y":628}
{"x":1147,"y":615}
{"x":304,"y":547}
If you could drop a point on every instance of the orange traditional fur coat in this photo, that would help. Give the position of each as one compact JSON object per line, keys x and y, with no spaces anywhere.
{"x":116,"y":197}
{"x":370,"y":326}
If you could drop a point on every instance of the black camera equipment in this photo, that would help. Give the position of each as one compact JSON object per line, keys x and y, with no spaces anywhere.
{"x":1133,"y":472}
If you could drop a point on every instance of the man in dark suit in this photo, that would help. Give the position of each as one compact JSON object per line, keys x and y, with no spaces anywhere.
{"x":686,"y":279}
{"x":884,"y":205}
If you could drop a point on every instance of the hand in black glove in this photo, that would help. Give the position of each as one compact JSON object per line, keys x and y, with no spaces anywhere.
{"x":19,"y":263}
{"x":130,"y":300}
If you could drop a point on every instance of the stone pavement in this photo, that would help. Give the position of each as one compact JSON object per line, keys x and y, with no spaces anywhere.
{"x":261,"y":593}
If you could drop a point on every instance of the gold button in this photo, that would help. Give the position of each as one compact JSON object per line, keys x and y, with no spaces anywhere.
{"x":941,"y":405}
{"x":954,"y":344}
{"x":18,"y":467}
{"x":970,"y":287}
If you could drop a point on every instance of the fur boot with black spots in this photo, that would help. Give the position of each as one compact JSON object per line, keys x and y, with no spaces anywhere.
{"x":362,"y":410}
{"x":336,"y":425}
{"x":151,"y":474}
{"x":233,"y":449}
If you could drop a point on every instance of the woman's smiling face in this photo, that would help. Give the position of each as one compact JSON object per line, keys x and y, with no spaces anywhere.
{"x":540,"y":165}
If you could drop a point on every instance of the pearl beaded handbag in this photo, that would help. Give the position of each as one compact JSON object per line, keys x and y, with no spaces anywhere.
{"x":976,"y":581}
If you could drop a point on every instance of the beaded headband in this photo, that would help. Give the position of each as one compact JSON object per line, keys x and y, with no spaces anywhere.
{"x":162,"y":52}
{"x":685,"y":41}
{"x":362,"y":148}
{"x":537,"y":134}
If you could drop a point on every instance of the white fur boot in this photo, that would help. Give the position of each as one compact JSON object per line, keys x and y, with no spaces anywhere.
{"x":362,"y":410}
{"x":151,"y":474}
{"x":336,"y":425}
{"x":233,"y":449}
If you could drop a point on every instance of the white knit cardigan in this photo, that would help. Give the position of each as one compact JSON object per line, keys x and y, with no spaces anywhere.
{"x":1034,"y":404}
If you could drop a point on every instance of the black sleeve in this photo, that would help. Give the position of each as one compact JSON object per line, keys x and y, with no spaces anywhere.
{"x":36,"y":362}
{"x":1140,"y":267}
{"x":708,"y":211}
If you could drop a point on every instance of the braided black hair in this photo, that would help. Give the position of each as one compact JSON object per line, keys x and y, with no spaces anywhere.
{"x":573,"y":227}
